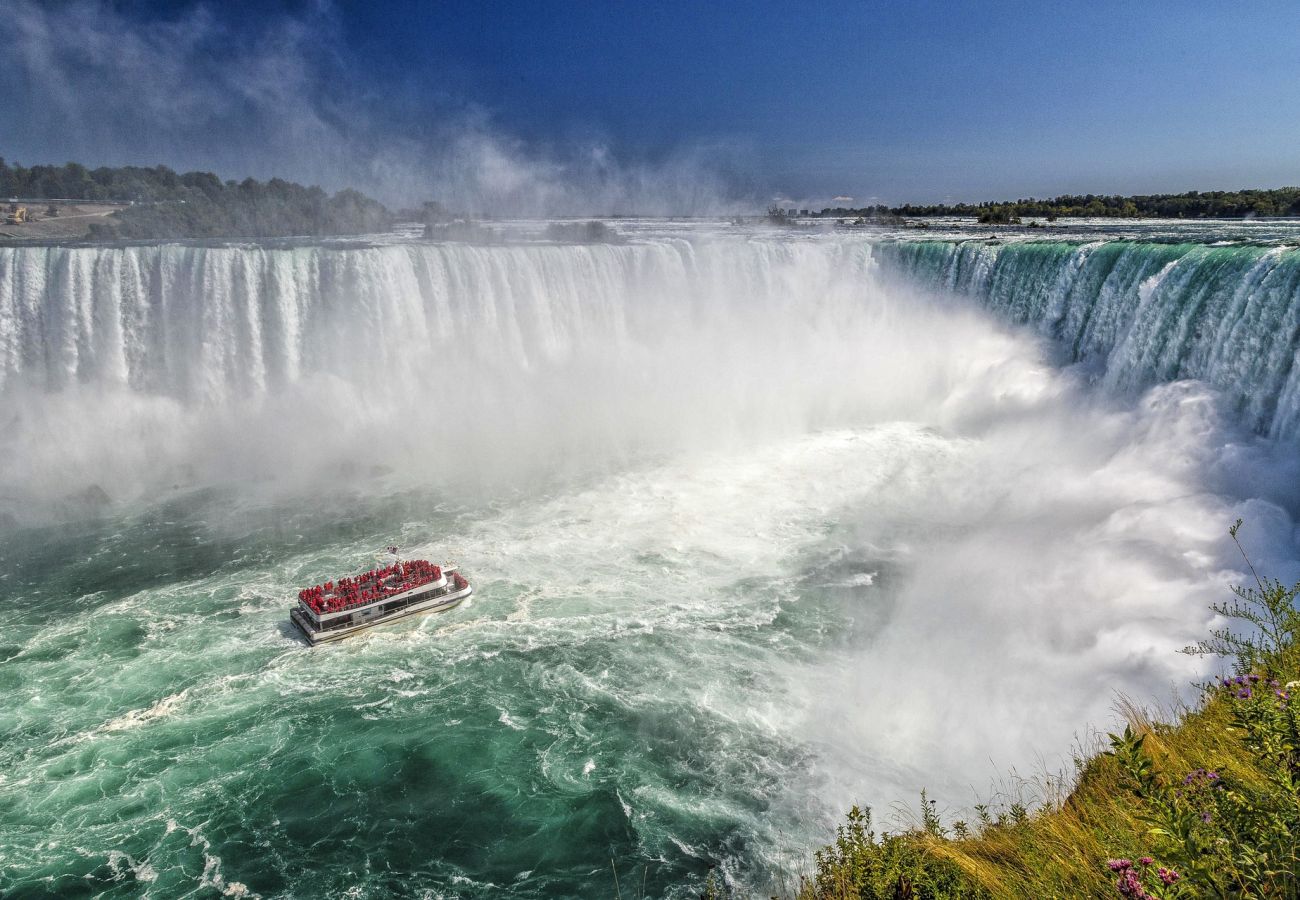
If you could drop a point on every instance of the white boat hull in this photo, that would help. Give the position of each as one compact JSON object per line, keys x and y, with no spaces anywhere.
{"x":439,"y":603}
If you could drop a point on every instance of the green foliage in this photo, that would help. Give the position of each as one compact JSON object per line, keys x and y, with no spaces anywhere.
{"x":860,"y":865}
{"x":1227,"y":837}
{"x":1192,"y":205}
{"x":198,"y":204}
{"x":430,"y":212}
{"x":1271,"y":639}
{"x":998,"y":215}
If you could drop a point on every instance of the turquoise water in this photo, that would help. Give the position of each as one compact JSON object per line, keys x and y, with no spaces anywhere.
{"x":167,"y":731}
{"x":754,"y":534}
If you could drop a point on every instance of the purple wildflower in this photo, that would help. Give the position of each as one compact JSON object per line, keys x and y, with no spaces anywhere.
{"x":1145,"y":861}
{"x":1253,"y":678}
{"x":1205,"y":817}
{"x":1120,"y":865}
{"x":1130,"y":886}
{"x":1244,"y":693}
{"x":1168,"y":876}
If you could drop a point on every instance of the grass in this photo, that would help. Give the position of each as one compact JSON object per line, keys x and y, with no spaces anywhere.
{"x":1204,"y":806}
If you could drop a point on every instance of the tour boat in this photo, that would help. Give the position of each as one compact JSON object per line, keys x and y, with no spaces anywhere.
{"x":338,"y":609}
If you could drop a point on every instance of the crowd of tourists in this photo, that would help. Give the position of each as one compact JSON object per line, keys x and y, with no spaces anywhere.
{"x":376,"y":584}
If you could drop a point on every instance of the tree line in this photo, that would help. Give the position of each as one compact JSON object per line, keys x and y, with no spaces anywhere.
{"x":1191,"y":205}
{"x":167,"y":204}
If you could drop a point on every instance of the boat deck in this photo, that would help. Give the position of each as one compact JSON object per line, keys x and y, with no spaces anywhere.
{"x":336,"y":626}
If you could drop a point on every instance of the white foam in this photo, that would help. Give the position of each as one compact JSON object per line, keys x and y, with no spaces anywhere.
{"x":161,"y":709}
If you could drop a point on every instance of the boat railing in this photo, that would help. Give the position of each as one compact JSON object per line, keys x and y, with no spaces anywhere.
{"x":344,"y":617}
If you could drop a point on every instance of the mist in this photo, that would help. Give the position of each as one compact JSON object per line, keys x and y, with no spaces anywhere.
{"x":87,"y":83}
{"x":468,"y":364}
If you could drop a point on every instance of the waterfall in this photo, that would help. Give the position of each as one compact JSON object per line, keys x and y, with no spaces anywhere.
{"x":207,"y":324}
{"x":174,"y":363}
{"x":1148,"y":312}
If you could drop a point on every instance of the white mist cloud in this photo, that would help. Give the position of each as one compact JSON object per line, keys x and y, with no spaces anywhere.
{"x":85,"y":81}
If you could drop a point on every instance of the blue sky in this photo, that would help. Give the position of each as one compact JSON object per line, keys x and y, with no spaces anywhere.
{"x":573,"y":103}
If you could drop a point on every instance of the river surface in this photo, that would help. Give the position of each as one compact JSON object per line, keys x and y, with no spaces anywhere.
{"x":760,"y":524}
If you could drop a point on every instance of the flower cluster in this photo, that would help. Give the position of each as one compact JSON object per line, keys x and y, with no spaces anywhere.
{"x":1194,"y":791}
{"x":1198,"y":777}
{"x":1246,"y":687}
{"x":1131,"y":875}
{"x":1241,"y":687}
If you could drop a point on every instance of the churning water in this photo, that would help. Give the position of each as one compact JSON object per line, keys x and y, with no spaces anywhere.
{"x":759,"y":524}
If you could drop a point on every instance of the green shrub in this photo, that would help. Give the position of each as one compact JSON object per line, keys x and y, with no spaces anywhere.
{"x":893,"y":866}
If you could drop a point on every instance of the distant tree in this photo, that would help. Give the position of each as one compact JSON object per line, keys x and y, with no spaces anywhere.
{"x":594,"y":232}
{"x":998,"y":215}
{"x":1283,"y":201}
{"x":199,"y":205}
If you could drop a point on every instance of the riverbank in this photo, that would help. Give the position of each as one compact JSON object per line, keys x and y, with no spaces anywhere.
{"x":54,"y":221}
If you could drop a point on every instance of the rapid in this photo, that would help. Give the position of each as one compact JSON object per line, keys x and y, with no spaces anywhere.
{"x":760,"y":524}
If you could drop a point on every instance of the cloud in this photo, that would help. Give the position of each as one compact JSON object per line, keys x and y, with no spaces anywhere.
{"x":286,"y":96}
{"x":85,"y":79}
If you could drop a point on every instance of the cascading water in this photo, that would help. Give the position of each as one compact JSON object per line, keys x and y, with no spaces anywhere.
{"x":1151,"y":312}
{"x":323,"y":349}
{"x":746,"y":521}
